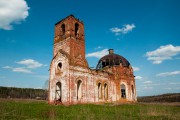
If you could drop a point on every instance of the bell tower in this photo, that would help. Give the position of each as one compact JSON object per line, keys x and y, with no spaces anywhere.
{"x":69,"y":38}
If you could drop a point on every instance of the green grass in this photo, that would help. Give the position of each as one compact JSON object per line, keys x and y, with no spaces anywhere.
{"x":35,"y":110}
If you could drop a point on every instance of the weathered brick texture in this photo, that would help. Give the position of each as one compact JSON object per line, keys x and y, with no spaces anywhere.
{"x":71,"y":79}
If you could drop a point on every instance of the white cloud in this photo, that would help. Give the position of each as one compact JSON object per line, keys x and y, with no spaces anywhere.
{"x":174,"y":83}
{"x":98,"y":54}
{"x":116,"y":30}
{"x":128,"y":28}
{"x":147,"y":82}
{"x":99,"y":47}
{"x":147,"y":88}
{"x":163,"y":53}
{"x":45,"y":65}
{"x":125,"y":29}
{"x":22,"y":70}
{"x":12,"y":11}
{"x":169,"y":73}
{"x":138,"y":90}
{"x":175,"y":88}
{"x":135,"y":68}
{"x":30,"y":63}
{"x":7,"y":67}
{"x":138,"y":78}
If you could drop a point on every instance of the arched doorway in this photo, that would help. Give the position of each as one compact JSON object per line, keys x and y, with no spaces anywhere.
{"x":123,"y":91}
{"x":105,"y":91}
{"x":99,"y":91}
{"x":58,"y":92}
{"x":79,"y":90}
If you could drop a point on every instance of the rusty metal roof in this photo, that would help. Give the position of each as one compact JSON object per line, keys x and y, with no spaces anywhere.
{"x":112,"y":60}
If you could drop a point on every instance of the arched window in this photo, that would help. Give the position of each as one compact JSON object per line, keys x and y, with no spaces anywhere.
{"x":99,"y":91}
{"x":105,"y":91}
{"x":117,"y":61}
{"x":59,"y":68}
{"x":58,"y":92}
{"x":132,"y":87}
{"x":63,"y":29}
{"x":123,"y":91}
{"x":107,"y":62}
{"x":59,"y":65}
{"x":76,"y":29}
{"x":79,"y":89}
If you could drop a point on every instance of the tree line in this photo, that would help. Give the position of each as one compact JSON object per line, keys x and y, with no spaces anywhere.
{"x":172,"y":97}
{"x":24,"y":93}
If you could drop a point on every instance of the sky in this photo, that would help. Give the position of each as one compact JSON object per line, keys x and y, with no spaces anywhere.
{"x":145,"y":32}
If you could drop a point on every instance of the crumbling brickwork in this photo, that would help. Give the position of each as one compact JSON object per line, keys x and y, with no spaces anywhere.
{"x":71,"y":79}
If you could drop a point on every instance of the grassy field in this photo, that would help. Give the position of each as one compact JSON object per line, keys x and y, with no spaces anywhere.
{"x":35,"y":110}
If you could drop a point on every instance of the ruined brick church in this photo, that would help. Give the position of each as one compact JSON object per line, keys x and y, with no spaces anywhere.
{"x":71,"y":79}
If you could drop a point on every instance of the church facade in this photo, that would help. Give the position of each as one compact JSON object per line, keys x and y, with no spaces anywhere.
{"x":73,"y":82}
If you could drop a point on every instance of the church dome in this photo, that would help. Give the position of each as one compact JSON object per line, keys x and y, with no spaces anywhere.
{"x":112,"y":60}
